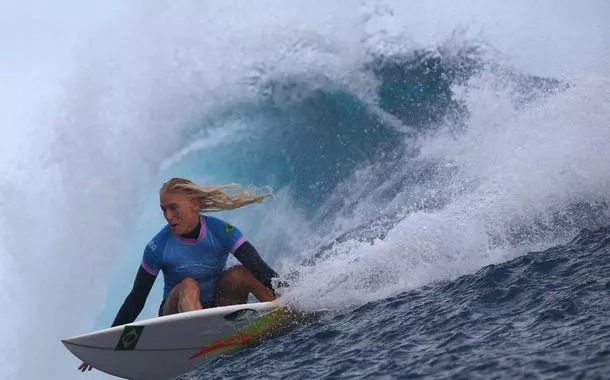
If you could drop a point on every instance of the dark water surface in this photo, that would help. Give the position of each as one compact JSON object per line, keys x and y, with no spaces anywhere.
{"x":544,"y":315}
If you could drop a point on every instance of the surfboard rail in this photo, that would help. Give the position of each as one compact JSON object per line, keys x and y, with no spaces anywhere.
{"x":167,"y":346}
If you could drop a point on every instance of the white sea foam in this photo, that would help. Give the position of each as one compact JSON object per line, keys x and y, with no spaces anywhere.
{"x":86,"y":130}
{"x":517,"y":170}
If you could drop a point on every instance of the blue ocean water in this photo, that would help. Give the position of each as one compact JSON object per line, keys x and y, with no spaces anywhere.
{"x":526,"y":315}
{"x":418,"y":152}
{"x":543,"y":315}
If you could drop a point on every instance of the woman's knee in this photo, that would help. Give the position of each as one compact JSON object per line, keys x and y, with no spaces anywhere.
{"x":188,"y":284}
{"x":235,"y":275}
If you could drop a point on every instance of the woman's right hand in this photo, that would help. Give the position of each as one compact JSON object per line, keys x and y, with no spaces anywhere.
{"x":85,"y":367}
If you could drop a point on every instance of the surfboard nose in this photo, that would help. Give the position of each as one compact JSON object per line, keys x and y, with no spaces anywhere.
{"x":160,"y":348}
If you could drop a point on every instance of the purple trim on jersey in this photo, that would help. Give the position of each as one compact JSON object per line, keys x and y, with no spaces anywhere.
{"x":202,"y":232}
{"x":238,"y":244}
{"x":149,"y":269}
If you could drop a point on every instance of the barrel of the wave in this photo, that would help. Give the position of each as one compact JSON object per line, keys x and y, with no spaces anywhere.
{"x":165,"y":347}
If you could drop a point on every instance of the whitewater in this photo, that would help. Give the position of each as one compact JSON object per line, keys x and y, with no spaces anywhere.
{"x":440,"y":174}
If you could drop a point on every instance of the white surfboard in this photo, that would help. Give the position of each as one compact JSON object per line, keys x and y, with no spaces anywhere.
{"x":165,"y":347}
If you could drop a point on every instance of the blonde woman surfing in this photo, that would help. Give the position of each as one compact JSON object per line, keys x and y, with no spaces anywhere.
{"x":192,"y":251}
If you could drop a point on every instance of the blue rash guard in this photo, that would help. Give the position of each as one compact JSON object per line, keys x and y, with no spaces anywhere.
{"x":201,"y":255}
{"x":202,"y":259}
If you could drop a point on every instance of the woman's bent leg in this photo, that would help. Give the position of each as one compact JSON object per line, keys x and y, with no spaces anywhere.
{"x":184,"y":297}
{"x":236,"y":283}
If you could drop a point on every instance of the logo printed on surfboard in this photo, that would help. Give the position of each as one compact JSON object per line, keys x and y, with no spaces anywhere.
{"x":240,"y":315}
{"x":129,"y":338}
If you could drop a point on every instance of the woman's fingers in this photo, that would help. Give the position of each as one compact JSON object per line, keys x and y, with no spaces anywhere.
{"x":84,"y":367}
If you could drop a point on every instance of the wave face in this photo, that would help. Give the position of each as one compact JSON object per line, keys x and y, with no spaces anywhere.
{"x":544,"y":314}
{"x":402,"y":162}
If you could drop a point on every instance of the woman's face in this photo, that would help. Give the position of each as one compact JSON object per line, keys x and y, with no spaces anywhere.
{"x":181,"y":214}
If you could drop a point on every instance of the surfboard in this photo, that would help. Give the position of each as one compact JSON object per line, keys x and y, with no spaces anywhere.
{"x":165,"y":347}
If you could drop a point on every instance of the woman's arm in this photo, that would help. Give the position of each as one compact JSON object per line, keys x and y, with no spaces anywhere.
{"x":252,"y":261}
{"x":134,"y":303}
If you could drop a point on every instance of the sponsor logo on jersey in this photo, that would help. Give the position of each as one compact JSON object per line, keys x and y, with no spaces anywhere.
{"x":228,"y":229}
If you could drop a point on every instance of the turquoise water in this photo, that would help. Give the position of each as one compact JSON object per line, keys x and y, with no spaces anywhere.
{"x":408,"y":145}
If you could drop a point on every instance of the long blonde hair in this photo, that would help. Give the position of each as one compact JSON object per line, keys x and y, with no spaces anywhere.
{"x":213,"y":198}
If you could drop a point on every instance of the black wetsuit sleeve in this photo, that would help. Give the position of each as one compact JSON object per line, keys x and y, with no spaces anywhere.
{"x":134,"y":303}
{"x":252,"y":261}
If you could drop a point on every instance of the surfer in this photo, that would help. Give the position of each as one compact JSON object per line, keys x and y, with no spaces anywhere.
{"x":192,"y":250}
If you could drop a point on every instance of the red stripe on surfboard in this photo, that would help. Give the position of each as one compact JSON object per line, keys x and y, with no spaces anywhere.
{"x":233,"y":341}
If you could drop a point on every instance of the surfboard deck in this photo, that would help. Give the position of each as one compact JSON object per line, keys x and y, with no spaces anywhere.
{"x":165,"y":347}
